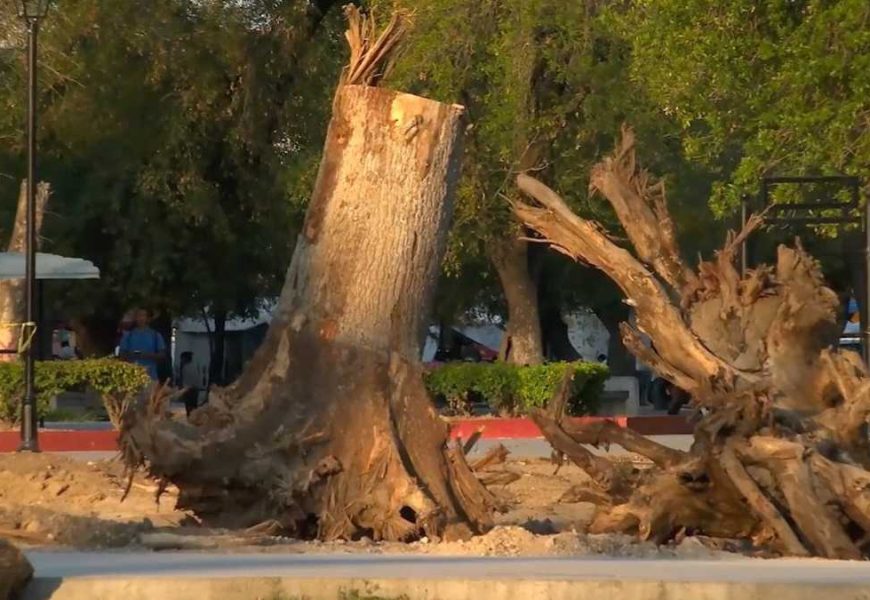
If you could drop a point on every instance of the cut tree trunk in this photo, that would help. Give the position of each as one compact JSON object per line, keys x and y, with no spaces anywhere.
{"x":781,"y":455}
{"x":330,"y":430}
{"x":524,"y":344}
{"x":12,"y":310}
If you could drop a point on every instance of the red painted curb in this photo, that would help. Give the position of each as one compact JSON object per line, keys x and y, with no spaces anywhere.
{"x":65,"y":441}
{"x":492,"y":429}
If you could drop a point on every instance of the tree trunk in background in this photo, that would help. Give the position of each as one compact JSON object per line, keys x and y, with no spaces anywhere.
{"x":330,"y":430}
{"x":554,"y":330}
{"x":781,"y":457}
{"x":218,"y":349}
{"x":95,"y":336}
{"x":620,"y":360}
{"x":511,"y":261}
{"x":12,"y":292}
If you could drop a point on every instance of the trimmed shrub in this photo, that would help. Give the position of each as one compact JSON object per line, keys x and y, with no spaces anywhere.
{"x":511,"y":389}
{"x":115,"y":381}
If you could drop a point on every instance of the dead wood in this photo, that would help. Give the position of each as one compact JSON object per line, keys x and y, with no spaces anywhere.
{"x":494,"y":456}
{"x":605,"y":433}
{"x":781,"y":456}
{"x":202,"y":540}
{"x":639,"y":202}
{"x":371,"y":54}
{"x":330,"y":431}
{"x":583,"y":493}
{"x":469,"y":445}
{"x":493,"y":478}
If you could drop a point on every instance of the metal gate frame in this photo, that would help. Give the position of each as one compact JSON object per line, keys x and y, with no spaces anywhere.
{"x":805,"y":218}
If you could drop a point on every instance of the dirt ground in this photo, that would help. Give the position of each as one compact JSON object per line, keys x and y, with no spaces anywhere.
{"x":52,"y":501}
{"x":48,"y":499}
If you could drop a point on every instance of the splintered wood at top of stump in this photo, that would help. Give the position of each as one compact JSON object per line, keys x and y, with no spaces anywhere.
{"x":330,"y":430}
{"x":781,"y":456}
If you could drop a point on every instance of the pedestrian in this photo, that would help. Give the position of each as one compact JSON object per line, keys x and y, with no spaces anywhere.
{"x":142,"y":345}
{"x":189,"y":382}
{"x":124,"y":327}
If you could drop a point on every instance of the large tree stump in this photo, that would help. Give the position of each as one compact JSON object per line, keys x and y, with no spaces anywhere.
{"x":330,"y":430}
{"x":782,"y":453}
{"x":12,"y":290}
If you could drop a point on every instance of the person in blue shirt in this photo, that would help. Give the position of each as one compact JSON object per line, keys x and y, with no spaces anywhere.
{"x":142,"y":345}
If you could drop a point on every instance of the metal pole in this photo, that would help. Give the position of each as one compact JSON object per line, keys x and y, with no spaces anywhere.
{"x":29,"y":430}
{"x":865,"y":301}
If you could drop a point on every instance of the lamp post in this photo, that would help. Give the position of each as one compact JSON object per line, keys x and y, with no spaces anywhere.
{"x":32,"y":11}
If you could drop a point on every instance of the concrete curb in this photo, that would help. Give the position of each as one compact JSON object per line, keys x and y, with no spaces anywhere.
{"x":290,"y":576}
{"x":280,"y":588}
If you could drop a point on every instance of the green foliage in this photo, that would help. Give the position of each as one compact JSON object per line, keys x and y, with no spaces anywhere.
{"x":66,"y":415}
{"x":541,"y":84}
{"x":512,"y":389}
{"x":546,"y":86}
{"x":179,"y":141}
{"x":107,"y":377}
{"x":758,"y":87}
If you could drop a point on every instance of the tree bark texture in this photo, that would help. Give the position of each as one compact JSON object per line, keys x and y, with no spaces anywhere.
{"x":217,"y":346}
{"x":12,"y":290}
{"x":524,"y":341}
{"x":330,"y":430}
{"x":15,"y":571}
{"x":781,"y":454}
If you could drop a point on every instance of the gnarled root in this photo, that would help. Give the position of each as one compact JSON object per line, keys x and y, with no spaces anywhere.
{"x":781,"y":456}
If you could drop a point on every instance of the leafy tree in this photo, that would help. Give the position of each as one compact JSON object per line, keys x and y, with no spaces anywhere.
{"x":546,"y":86}
{"x":759,"y":88}
{"x":178,"y":140}
{"x":778,"y":87}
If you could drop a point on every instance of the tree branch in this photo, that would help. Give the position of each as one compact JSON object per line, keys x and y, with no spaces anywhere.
{"x":607,"y":432}
{"x":640,"y":205}
{"x":759,"y":503}
{"x":657,"y":316}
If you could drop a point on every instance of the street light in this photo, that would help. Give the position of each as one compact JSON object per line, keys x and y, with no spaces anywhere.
{"x":32,"y":11}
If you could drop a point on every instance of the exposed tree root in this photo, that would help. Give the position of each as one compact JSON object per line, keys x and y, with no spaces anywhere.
{"x":781,"y":456}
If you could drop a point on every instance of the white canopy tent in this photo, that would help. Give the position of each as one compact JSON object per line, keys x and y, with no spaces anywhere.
{"x":48,"y":266}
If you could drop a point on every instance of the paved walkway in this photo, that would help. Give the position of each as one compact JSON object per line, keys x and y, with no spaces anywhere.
{"x":188,"y":576}
{"x":399,"y":566}
{"x":521,"y":449}
{"x":541,"y":448}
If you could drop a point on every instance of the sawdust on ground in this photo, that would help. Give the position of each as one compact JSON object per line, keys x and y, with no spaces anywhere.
{"x":52,"y":501}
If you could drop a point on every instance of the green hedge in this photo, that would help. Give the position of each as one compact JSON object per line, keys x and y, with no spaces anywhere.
{"x":115,"y":381}
{"x":511,"y":389}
